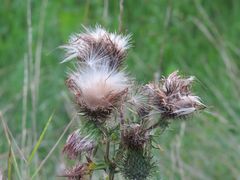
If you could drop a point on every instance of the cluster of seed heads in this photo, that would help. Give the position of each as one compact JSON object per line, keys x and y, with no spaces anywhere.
{"x":105,"y":94}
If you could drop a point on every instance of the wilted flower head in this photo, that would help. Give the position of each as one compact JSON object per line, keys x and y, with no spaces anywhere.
{"x":79,"y":171}
{"x":173,"y":96}
{"x":98,"y":90}
{"x":135,"y":137}
{"x":98,"y":46}
{"x":77,"y":144}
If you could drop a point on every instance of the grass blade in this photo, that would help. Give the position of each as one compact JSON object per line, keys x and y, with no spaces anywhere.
{"x":10,"y":164}
{"x":9,"y":143}
{"x":40,"y":139}
{"x":53,"y":148}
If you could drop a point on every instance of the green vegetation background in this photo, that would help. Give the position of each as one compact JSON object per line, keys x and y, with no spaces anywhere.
{"x":199,"y":38}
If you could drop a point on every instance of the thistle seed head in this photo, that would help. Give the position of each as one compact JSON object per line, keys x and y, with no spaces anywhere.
{"x":96,"y":45}
{"x":76,"y":144}
{"x":98,"y":90}
{"x":173,"y":97}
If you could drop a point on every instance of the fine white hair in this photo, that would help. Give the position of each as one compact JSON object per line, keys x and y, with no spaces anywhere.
{"x":80,"y":45}
{"x":97,"y":82}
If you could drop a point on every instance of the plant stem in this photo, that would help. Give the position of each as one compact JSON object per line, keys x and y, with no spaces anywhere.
{"x":107,"y":151}
{"x":110,"y":164}
{"x":120,"y":18}
{"x":111,"y":175}
{"x":122,"y":122}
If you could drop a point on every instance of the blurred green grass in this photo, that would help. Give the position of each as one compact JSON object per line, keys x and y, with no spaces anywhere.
{"x":199,"y":38}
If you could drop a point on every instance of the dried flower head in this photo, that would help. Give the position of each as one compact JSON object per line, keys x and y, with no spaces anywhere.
{"x":173,"y":97}
{"x":76,"y":144}
{"x":98,"y":46}
{"x":135,"y":137}
{"x":79,"y":171}
{"x":98,"y":90}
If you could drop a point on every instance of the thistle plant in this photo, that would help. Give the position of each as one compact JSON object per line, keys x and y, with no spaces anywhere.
{"x":118,"y":117}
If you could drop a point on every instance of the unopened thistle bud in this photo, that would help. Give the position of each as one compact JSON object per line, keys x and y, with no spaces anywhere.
{"x":136,"y":165}
{"x":77,"y":144}
{"x":173,"y":97}
{"x":98,"y":46}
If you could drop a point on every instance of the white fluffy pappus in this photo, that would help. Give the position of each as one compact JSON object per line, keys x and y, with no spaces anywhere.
{"x":97,"y":45}
{"x":97,"y":86}
{"x":98,"y":33}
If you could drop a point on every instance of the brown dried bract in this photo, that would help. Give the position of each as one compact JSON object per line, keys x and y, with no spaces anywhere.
{"x":173,"y":97}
